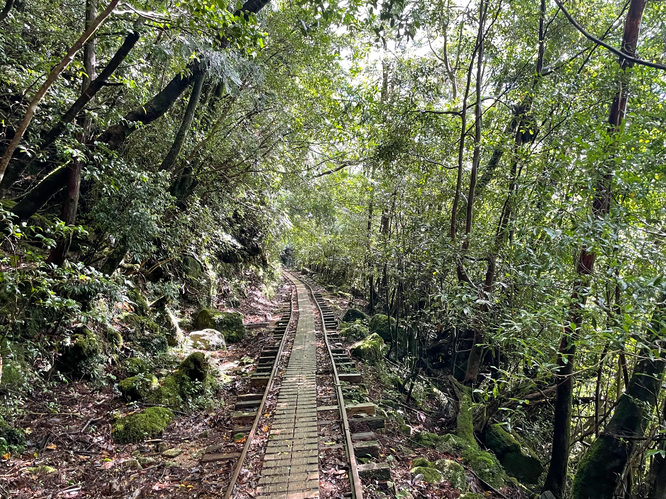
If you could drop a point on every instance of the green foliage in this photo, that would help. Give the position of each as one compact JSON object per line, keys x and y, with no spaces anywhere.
{"x":148,"y":423}
{"x":12,"y":439}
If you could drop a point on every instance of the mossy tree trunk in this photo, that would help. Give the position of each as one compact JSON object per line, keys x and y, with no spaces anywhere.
{"x":603,"y":464}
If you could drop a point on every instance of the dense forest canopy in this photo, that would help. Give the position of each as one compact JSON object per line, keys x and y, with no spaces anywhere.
{"x":489,"y":174}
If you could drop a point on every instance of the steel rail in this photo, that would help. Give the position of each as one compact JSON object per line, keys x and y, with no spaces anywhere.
{"x":267,"y":390}
{"x":354,"y":479}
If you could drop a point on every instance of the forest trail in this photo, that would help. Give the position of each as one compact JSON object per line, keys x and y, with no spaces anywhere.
{"x":301,"y":428}
{"x":290,"y":467}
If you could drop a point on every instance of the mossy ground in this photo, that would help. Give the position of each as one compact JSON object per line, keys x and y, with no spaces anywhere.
{"x":149,"y":423}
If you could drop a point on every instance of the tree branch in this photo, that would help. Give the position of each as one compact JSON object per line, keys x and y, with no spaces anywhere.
{"x":621,"y":54}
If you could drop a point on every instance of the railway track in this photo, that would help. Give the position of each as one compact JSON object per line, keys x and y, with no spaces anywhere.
{"x":296,"y":428}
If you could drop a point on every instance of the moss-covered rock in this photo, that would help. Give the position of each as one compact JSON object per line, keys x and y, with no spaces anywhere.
{"x":517,"y":460}
{"x":354,"y":330}
{"x":174,"y":334}
{"x":149,"y":423}
{"x":230,"y":324}
{"x":11,"y":439}
{"x":114,"y":338}
{"x":453,"y":472}
{"x":422,"y":462}
{"x":354,"y":314}
{"x":138,"y":387}
{"x":383,"y":325}
{"x":136,"y":365}
{"x":179,"y":389}
{"x":138,"y":301}
{"x":82,"y":356}
{"x":485,"y":465}
{"x":430,"y":475}
{"x":370,"y":349}
{"x":195,"y":367}
{"x":145,"y":333}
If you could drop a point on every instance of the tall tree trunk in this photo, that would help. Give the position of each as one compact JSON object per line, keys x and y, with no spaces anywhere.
{"x":556,"y":478}
{"x":37,"y":98}
{"x":602,"y":465}
{"x":71,"y":203}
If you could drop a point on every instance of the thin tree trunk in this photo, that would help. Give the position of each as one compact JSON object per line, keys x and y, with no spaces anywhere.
{"x":476,"y":352}
{"x":71,"y":203}
{"x":185,"y":125}
{"x":37,"y":98}
{"x":556,"y":477}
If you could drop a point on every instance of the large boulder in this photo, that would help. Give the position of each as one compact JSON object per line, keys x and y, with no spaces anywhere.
{"x":517,"y":460}
{"x":383,"y":325}
{"x":356,"y":330}
{"x":149,"y":423}
{"x":207,"y":339}
{"x":354,"y":314}
{"x":370,"y":349}
{"x":230,"y":324}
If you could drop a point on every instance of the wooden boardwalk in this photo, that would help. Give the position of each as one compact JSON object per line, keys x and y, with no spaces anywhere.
{"x":291,"y":463}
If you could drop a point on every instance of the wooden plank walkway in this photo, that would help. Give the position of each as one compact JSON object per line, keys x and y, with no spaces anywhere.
{"x":291,"y":463}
